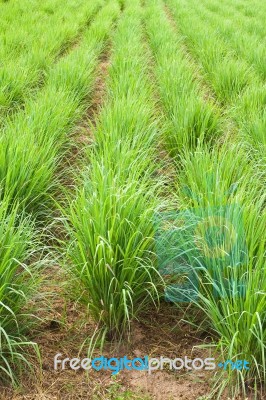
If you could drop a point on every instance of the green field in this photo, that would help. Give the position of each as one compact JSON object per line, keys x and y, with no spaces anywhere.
{"x":132,"y":194}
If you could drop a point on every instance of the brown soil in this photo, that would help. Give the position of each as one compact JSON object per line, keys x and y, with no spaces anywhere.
{"x":161,"y":335}
{"x":98,"y":95}
{"x":83,"y":134}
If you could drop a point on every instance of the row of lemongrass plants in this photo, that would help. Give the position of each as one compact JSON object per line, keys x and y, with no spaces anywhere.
{"x":191,"y":116}
{"x":250,"y":47}
{"x":32,"y":146}
{"x":254,"y":13}
{"x":235,"y":84}
{"x":24,"y":29}
{"x":220,"y":187}
{"x":22,"y":74}
{"x":18,"y":284}
{"x":110,"y":222}
{"x":225,"y":197}
{"x":32,"y":143}
{"x":229,"y":74}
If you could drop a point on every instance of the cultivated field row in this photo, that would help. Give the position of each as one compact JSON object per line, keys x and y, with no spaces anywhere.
{"x":178,"y":127}
{"x":26,"y":65}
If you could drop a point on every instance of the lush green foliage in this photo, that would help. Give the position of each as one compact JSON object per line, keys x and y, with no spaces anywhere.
{"x":230,"y":289}
{"x":18,"y":282}
{"x":32,"y":144}
{"x":111,"y":249}
{"x":190,"y":119}
{"x":39,"y":39}
{"x":181,"y":126}
{"x":231,"y":282}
